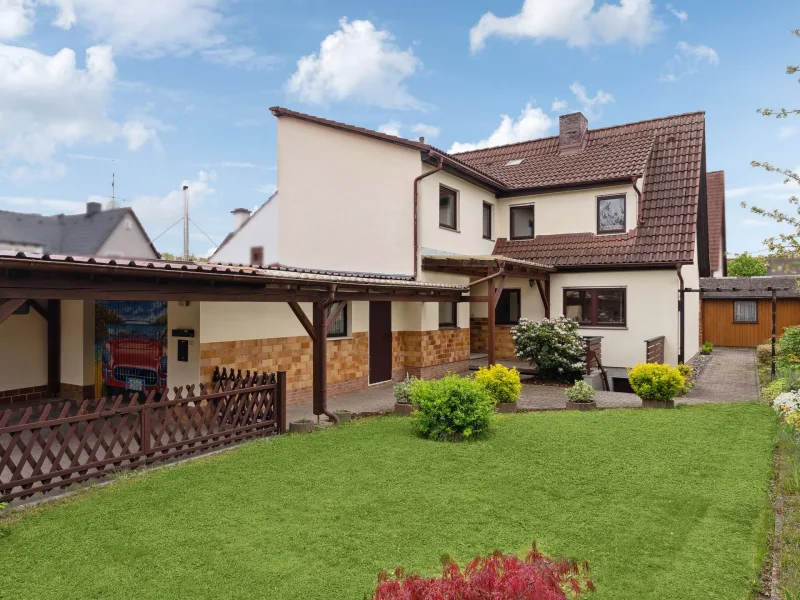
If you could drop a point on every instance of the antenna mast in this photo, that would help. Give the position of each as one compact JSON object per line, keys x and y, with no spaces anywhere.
{"x":186,"y":223}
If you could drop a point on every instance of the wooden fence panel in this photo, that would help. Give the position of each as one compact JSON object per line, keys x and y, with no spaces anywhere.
{"x":62,"y":443}
{"x":655,"y":350}
{"x":720,"y":330}
{"x":594,"y":353}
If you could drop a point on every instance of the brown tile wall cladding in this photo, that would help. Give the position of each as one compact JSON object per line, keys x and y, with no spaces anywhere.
{"x":348,"y":359}
{"x":479,"y":338}
{"x":23,"y":394}
{"x":69,"y":391}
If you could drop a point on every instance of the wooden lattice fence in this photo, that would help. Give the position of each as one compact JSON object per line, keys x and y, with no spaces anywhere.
{"x":61,"y":443}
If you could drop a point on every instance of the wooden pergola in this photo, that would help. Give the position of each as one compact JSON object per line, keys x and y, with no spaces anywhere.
{"x":44,"y":281}
{"x":493,"y":270}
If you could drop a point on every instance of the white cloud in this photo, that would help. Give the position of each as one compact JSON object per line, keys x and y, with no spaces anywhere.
{"x":688,"y":60}
{"x":16,"y":18}
{"x":241,"y":56}
{"x":137,"y":134}
{"x":558,"y":105}
{"x":757,"y":222}
{"x":41,"y":205}
{"x":576,"y":22}
{"x":427,"y":131}
{"x":532,"y":123}
{"x":391,"y":128}
{"x":592,"y":107}
{"x":681,"y":15}
{"x":785,"y":132}
{"x":232,"y":164}
{"x":357,"y":62}
{"x":267,"y":189}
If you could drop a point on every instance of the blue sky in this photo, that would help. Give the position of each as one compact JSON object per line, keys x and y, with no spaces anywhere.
{"x":179,"y":90}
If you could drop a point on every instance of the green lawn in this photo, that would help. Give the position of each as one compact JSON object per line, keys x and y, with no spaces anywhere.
{"x":663,"y":504}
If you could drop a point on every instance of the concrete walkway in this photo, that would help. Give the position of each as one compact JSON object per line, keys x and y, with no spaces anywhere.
{"x":731,"y":376}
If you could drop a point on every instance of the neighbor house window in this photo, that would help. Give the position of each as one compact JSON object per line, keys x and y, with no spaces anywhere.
{"x":508,"y":309}
{"x":611,"y":214}
{"x":487,"y":221}
{"x":448,"y":208}
{"x":339,"y":327}
{"x":603,"y":307}
{"x":745,"y":311}
{"x":522,"y":222}
{"x":257,"y":255}
{"x":448,"y":314}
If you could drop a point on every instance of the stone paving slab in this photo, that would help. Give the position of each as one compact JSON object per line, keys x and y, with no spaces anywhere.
{"x":731,"y":376}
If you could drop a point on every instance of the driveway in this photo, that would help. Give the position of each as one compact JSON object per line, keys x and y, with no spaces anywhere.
{"x":731,"y":376}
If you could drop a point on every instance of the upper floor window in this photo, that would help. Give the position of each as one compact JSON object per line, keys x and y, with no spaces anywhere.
{"x":487,"y":221}
{"x":522,"y":222}
{"x":257,"y":255}
{"x":745,"y":311}
{"x":611,"y":214}
{"x":509,"y":308}
{"x":596,"y":307}
{"x":448,"y":314}
{"x":339,"y":327}
{"x":448,"y":208}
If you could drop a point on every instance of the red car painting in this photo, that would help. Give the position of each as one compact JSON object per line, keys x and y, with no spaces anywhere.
{"x":134,"y":364}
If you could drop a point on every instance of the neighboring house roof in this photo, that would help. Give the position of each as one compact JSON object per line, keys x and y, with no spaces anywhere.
{"x":715,"y":182}
{"x":669,"y":152}
{"x":749,"y":287}
{"x":242,"y":226}
{"x":671,"y":202}
{"x":82,"y":234}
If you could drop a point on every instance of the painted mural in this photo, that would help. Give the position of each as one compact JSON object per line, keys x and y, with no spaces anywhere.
{"x":130,"y":347}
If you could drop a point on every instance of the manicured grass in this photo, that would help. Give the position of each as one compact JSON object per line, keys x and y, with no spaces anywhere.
{"x":663,"y":504}
{"x":789,"y":486}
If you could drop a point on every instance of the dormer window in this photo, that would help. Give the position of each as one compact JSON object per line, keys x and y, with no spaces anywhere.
{"x":611,"y":214}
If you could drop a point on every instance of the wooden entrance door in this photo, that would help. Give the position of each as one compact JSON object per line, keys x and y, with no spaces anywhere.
{"x":380,"y":342}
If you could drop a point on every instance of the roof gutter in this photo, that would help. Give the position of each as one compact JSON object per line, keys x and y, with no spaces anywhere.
{"x":439,"y":167}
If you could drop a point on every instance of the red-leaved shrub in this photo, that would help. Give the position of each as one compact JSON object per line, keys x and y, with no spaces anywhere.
{"x":497,"y":576}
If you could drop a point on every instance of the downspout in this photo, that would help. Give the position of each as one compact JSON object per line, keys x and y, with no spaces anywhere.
{"x":438,"y":168}
{"x":682,"y":313}
{"x":500,"y":272}
{"x":639,"y":207}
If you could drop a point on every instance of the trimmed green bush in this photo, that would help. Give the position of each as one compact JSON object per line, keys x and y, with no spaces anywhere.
{"x":581,"y":392}
{"x":554,"y":346}
{"x":656,"y":382}
{"x":764,"y":353}
{"x":707,"y":348}
{"x":452,"y":408}
{"x":402,"y":390}
{"x":501,"y":383}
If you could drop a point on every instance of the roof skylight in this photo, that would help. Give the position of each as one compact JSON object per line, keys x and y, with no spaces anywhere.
{"x":514,"y":162}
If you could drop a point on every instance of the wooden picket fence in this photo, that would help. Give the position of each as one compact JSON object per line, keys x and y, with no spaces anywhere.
{"x":59,"y":444}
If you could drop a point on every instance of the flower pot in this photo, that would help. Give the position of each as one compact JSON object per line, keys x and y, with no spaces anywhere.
{"x":581,"y":405}
{"x":301,"y":427}
{"x":506,"y":407}
{"x":658,"y":403}
{"x":402,"y":409}
{"x":345,"y":416}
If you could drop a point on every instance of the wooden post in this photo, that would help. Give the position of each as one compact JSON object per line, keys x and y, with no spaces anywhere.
{"x":280,"y":402}
{"x":491,"y":305}
{"x":774,"y":327}
{"x":54,"y":347}
{"x":145,"y":430}
{"x":320,"y":366}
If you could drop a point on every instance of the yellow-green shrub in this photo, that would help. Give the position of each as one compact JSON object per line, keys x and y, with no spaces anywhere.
{"x":656,"y":382}
{"x":500,"y":382}
{"x":774,"y":389}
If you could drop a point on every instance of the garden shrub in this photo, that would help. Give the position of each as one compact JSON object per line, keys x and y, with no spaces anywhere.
{"x":685,"y":370}
{"x":402,"y":390}
{"x":554,"y":346}
{"x":500,"y":382}
{"x":452,"y":408}
{"x":764,"y":353}
{"x":707,"y":348}
{"x":788,"y":347}
{"x":656,"y":382}
{"x":497,"y":576}
{"x":580,"y":392}
{"x":774,"y":389}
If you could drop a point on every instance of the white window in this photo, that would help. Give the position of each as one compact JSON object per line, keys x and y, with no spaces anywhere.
{"x":745,"y":311}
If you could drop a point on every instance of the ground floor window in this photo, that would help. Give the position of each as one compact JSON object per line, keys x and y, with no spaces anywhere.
{"x":339,"y":327}
{"x":596,"y":306}
{"x":745,"y":311}
{"x":509,"y":308}
{"x":448,"y":314}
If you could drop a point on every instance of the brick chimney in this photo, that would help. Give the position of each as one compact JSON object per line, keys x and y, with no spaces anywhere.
{"x":572,"y":133}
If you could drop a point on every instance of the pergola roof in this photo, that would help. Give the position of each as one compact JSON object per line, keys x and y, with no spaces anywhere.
{"x":481,"y":265}
{"x":28,"y":275}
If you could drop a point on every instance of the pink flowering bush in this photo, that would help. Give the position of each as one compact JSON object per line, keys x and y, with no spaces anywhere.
{"x":493,"y":577}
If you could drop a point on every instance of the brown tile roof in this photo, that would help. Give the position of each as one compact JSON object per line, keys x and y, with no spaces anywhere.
{"x":715,"y":184}
{"x":670,"y":204}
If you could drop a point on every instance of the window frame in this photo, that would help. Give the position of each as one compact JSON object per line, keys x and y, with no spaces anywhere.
{"x":624,"y":198}
{"x":486,"y":205}
{"x":735,"y":322}
{"x":453,"y":313}
{"x":454,"y":227}
{"x":594,"y":304}
{"x":511,"y":209}
{"x":508,"y":291}
{"x":345,"y":315}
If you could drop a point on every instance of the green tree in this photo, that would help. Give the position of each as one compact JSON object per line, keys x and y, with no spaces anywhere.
{"x":192,"y":257}
{"x":784,"y":244}
{"x":745,"y":265}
